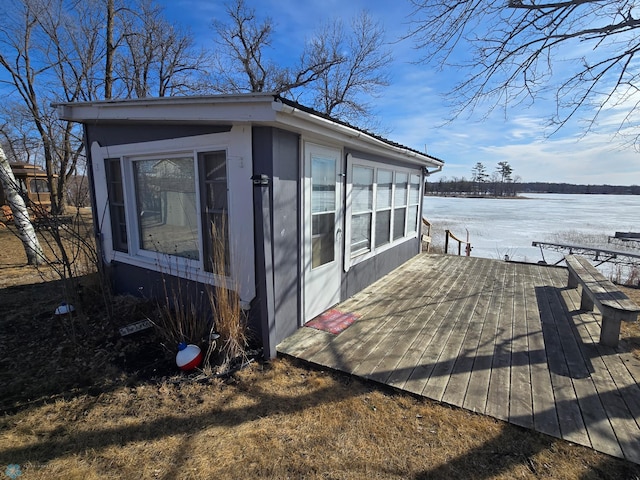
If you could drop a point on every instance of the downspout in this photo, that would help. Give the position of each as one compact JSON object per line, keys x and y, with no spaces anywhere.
{"x":264,"y":259}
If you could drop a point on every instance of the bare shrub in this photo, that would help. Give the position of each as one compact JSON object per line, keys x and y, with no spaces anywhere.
{"x":209,"y":316}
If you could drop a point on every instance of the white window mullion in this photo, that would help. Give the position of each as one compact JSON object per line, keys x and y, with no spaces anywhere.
{"x":199,"y":193}
{"x":130,"y":207}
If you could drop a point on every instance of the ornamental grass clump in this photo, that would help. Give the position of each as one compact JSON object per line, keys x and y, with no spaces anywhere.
{"x":229,"y":318}
{"x":209,"y":316}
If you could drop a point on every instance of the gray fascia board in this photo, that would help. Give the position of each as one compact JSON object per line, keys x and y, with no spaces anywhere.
{"x":219,"y":109}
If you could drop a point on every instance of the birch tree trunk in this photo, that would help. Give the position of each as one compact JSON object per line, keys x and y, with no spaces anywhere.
{"x":26,"y":232}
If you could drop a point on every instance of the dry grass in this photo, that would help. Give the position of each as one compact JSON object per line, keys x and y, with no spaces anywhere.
{"x":280,"y":421}
{"x":99,"y":406}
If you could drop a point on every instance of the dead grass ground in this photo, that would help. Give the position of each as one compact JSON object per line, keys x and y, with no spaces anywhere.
{"x":80,"y":402}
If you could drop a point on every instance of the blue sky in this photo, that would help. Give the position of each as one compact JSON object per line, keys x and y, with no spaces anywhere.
{"x":412,"y":109}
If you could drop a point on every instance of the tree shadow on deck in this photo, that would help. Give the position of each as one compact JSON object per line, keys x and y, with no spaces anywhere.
{"x":566,"y":353}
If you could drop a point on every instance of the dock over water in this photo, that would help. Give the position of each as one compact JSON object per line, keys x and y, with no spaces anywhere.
{"x":501,"y":339}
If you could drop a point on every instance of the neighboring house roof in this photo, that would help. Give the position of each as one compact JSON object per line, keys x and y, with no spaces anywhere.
{"x":256,"y":108}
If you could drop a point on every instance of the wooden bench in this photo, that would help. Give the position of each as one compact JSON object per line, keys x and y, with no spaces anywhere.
{"x":613,"y":304}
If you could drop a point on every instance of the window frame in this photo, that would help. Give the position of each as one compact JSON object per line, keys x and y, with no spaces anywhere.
{"x":415,"y":205}
{"x":363,"y":213}
{"x":237,"y":146}
{"x":117,"y":208}
{"x":355,"y":257}
{"x":131,"y":210}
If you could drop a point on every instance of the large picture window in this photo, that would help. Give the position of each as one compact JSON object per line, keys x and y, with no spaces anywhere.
{"x":167,"y":207}
{"x":384,"y":207}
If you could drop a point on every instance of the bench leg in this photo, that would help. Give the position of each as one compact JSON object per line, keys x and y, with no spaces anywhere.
{"x":573,"y":280}
{"x":585,"y":301}
{"x":610,"y":332}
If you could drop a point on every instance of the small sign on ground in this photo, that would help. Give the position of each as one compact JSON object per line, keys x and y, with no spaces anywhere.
{"x":135,"y":327}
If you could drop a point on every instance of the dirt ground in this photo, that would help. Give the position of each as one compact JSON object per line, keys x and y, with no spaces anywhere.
{"x":78,"y":400}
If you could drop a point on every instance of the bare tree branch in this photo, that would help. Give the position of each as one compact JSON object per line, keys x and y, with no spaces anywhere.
{"x":583,"y":50}
{"x":338,"y":68}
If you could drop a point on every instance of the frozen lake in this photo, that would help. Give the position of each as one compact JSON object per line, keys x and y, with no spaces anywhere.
{"x":499,"y":227}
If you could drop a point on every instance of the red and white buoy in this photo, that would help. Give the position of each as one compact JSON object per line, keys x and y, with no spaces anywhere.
{"x":189,"y":357}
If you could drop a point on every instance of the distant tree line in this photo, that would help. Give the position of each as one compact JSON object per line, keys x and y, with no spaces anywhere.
{"x":544,"y":187}
{"x":463,"y":187}
{"x":502,"y":183}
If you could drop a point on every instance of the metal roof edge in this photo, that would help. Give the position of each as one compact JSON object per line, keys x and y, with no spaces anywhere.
{"x":65,"y":111}
{"x":360,"y":131}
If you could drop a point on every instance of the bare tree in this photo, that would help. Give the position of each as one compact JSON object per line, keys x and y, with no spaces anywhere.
{"x":152,"y":56}
{"x":50,"y":54}
{"x":341,"y":90}
{"x":26,"y":232}
{"x":243,"y":66}
{"x":583,"y":51}
{"x":335,"y":73}
{"x":65,"y":50}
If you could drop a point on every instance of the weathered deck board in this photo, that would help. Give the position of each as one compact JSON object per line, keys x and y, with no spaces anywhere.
{"x":502,"y":339}
{"x":395,"y":348}
{"x":478,"y":389}
{"x":500,"y":381}
{"x":572,"y":425}
{"x":520,"y":401}
{"x":545,"y":414}
{"x":451,"y":344}
{"x":419,"y":377}
{"x":421,"y":333}
{"x":610,"y":387}
{"x":459,"y":379}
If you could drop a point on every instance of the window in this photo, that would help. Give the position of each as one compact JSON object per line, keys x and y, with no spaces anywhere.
{"x":361,"y":209}
{"x":384,"y":207}
{"x":414,"y":203}
{"x":116,"y":204}
{"x":323,"y":210}
{"x":166,"y":206}
{"x":180,"y":196}
{"x":400,"y":205}
{"x":167,"y":209}
{"x":38,"y":185}
{"x":215,"y":230}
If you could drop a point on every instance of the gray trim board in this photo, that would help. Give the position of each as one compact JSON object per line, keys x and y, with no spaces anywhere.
{"x":122,"y":134}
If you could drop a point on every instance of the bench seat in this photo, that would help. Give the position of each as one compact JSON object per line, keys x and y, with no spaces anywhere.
{"x":598,"y":291}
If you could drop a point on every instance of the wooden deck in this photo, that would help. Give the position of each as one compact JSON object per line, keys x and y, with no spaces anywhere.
{"x":502,"y":339}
